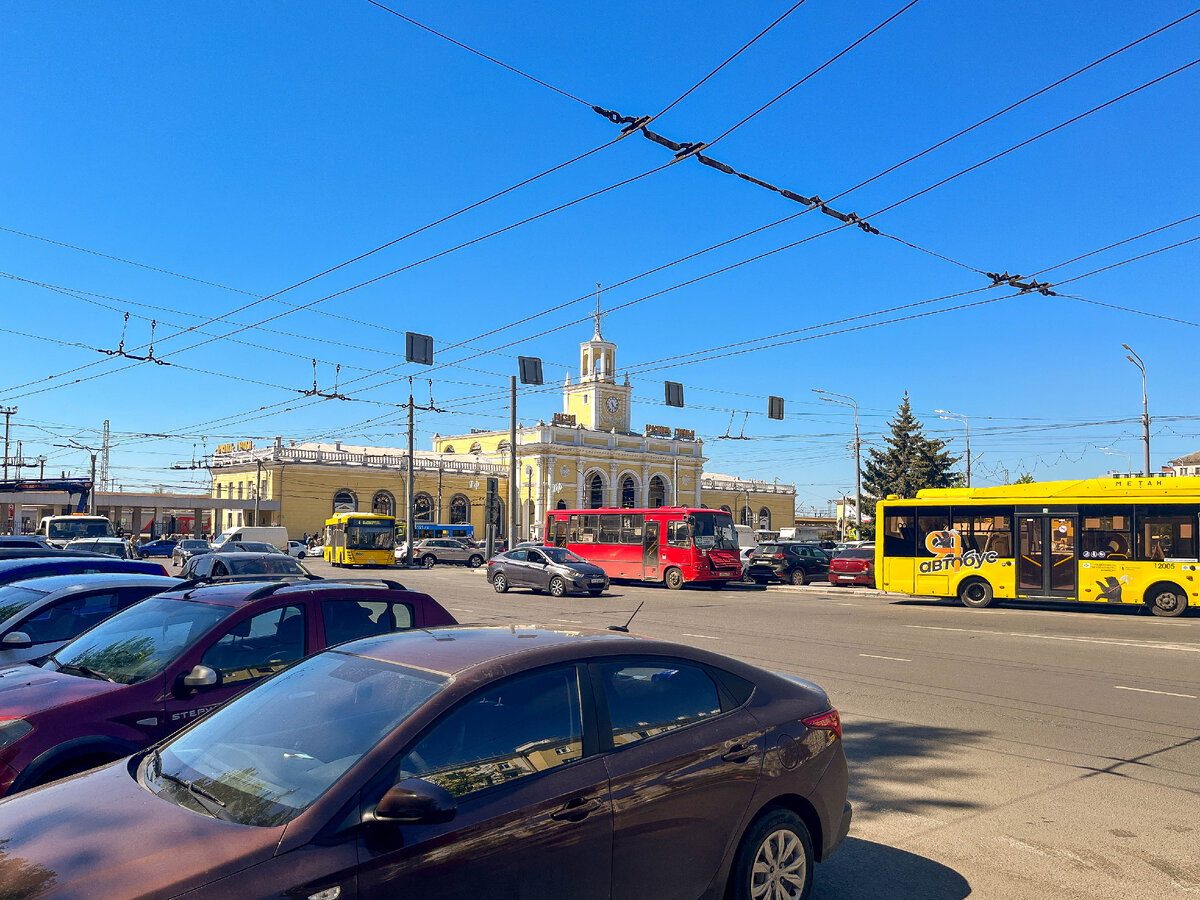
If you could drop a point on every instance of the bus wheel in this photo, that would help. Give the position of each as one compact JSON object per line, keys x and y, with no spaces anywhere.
{"x":673,"y":578}
{"x":976,"y":594}
{"x":1166,"y":600}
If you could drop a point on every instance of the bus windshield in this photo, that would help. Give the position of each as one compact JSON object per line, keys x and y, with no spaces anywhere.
{"x":69,"y":528}
{"x":367,"y":534}
{"x":713,"y":531}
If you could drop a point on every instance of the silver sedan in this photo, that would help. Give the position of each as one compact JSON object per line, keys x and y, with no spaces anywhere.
{"x":555,"y":570}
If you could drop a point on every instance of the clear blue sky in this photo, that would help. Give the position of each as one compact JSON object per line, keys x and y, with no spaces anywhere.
{"x":252,"y":145}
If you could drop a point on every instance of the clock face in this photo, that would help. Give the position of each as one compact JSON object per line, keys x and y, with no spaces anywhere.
{"x":612,"y":404}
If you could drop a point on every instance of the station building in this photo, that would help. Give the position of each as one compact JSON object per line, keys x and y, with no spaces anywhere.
{"x":587,"y":456}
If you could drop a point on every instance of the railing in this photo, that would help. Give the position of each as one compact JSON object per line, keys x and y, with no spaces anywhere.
{"x":286,"y":455}
{"x":755,"y":487}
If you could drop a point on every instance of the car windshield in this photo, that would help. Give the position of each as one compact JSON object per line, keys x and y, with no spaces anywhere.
{"x":13,"y":599}
{"x":561,"y":555}
{"x":69,"y":529}
{"x":255,"y":547}
{"x":264,"y":565}
{"x":267,"y":755}
{"x":364,"y":534}
{"x":713,"y":531}
{"x":140,"y":641}
{"x":111,"y":548}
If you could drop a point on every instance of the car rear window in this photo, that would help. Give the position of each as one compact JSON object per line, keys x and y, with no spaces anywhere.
{"x":857,"y":553}
{"x":766,"y":550}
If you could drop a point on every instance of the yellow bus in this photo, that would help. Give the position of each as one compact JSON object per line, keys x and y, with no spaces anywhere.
{"x":1106,"y":540}
{"x":360,"y":539}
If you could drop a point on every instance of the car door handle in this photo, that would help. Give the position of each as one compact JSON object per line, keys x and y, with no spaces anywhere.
{"x":576,"y":810}
{"x":739,"y":752}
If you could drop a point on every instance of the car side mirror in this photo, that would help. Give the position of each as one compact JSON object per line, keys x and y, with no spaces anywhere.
{"x":414,"y":801}
{"x":200,"y":676}
{"x":16,"y":640}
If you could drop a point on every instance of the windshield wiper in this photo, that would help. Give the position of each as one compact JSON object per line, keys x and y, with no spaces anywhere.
{"x":211,"y":803}
{"x":85,"y":670}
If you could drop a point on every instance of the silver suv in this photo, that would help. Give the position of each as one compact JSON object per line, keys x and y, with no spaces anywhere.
{"x":430,"y":552}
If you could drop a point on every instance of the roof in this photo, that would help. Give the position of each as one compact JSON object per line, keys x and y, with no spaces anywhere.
{"x":1093,"y":489}
{"x":234,"y":593}
{"x":1192,"y":459}
{"x":452,"y":649}
{"x":53,"y":583}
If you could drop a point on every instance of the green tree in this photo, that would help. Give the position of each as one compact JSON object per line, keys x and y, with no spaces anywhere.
{"x":910,"y":460}
{"x":1026,"y":478}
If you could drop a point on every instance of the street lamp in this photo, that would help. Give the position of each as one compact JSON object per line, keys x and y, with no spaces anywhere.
{"x":1137,"y":361}
{"x":1109,"y":451}
{"x":850,"y":401}
{"x":959,"y":417}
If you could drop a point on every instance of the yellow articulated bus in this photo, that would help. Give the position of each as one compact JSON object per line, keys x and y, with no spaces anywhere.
{"x":1106,"y":540}
{"x":360,"y":539}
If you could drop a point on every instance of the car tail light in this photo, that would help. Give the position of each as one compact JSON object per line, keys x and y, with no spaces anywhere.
{"x":828,"y":721}
{"x":777,"y":556}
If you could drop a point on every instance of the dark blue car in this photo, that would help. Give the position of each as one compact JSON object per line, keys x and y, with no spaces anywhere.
{"x":161,"y":547}
{"x":60,"y":564}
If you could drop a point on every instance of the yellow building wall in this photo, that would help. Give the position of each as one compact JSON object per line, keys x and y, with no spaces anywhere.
{"x":782,"y":506}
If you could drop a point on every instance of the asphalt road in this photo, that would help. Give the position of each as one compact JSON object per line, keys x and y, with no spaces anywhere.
{"x":1007,"y":752}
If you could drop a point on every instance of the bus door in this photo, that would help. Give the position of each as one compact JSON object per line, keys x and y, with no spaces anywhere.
{"x":650,"y":552}
{"x":1047,"y":562}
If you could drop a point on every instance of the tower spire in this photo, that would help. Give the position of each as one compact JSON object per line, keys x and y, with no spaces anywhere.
{"x":597,"y":336}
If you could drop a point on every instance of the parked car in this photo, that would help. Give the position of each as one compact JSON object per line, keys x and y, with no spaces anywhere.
{"x":187,"y":548}
{"x":276,"y":535}
{"x":24,"y":542}
{"x":69,"y":562}
{"x":466,"y":762}
{"x":39,"y":615}
{"x":160,"y":547}
{"x":747,"y":555}
{"x":117,"y":547}
{"x":854,"y":565}
{"x":432,"y":551}
{"x":222,"y":564}
{"x":791,"y":563}
{"x":297,"y":549}
{"x":555,"y":570}
{"x":153,"y":667}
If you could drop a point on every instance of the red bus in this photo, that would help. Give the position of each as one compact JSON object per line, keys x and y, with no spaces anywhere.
{"x":671,"y":544}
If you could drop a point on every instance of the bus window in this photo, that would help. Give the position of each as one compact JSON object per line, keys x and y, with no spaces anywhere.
{"x":610,"y":528}
{"x":991,"y":532}
{"x":1105,"y":532}
{"x":930,"y":520}
{"x":898,"y":531}
{"x":631,"y":529}
{"x":1166,"y":532}
{"x":677,"y":534}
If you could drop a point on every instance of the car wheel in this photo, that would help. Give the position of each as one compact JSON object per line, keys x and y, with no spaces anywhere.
{"x":673,"y":578}
{"x":558,"y":587}
{"x":499,"y":583}
{"x":747,"y":577}
{"x":976,"y":594}
{"x":475,"y":562}
{"x":301,"y":554}
{"x":429,"y":561}
{"x":798,"y":577}
{"x":1166,"y":600}
{"x":774,"y":860}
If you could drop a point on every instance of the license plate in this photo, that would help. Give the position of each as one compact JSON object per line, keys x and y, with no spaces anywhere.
{"x":597,"y":581}
{"x":846,"y":577}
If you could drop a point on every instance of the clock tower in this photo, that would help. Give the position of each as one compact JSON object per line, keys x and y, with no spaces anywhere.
{"x":597,"y":401}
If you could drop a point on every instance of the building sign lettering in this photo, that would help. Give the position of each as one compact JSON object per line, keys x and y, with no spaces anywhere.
{"x":661,"y":431}
{"x":685,"y":434}
{"x":225,"y":448}
{"x":564,"y":419}
{"x":245,"y":445}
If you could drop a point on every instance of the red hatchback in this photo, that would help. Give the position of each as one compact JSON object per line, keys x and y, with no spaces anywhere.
{"x":854,"y":565}
{"x":157,"y":665}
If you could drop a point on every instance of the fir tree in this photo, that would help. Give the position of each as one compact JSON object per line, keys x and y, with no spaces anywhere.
{"x":910,"y":462}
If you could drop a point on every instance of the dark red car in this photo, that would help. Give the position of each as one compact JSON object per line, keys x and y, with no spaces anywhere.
{"x":157,"y":665}
{"x":854,"y":565}
{"x":459,"y":763}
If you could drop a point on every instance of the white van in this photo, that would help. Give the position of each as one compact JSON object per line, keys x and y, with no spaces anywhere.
{"x":58,"y":530}
{"x":267,"y":534}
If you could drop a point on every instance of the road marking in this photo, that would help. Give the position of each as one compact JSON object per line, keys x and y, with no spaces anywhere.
{"x":893,"y":658}
{"x":1121,"y":687}
{"x":459,"y":609}
{"x":707,"y":637}
{"x":569,"y":621}
{"x":1141,"y":645}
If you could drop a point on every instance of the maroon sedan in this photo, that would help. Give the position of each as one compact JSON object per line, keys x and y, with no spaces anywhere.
{"x":854,"y":565}
{"x":152,"y":668}
{"x":464,"y":762}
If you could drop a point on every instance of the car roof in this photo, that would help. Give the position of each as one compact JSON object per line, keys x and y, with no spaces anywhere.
{"x":251,"y":588}
{"x":451,"y":649}
{"x":54,"y":583}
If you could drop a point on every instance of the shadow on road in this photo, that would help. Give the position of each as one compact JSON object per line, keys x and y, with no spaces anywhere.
{"x":864,"y":870}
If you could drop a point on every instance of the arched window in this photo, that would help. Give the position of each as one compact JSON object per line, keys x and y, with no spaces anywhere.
{"x":475,"y":448}
{"x":503,"y":447}
{"x":747,"y":516}
{"x":658,"y":492}
{"x":345,"y":501}
{"x":764,"y":519}
{"x":448,"y":449}
{"x":422,"y":508}
{"x":595,"y":491}
{"x":726,"y":509}
{"x":460,"y":510}
{"x":561,"y":504}
{"x":383,"y":503}
{"x":628,"y":493}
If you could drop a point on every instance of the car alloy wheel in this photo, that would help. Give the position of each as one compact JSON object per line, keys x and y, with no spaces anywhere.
{"x":558,"y":587}
{"x":429,"y":561}
{"x":775,"y":860}
{"x":475,"y":562}
{"x":500,"y":583}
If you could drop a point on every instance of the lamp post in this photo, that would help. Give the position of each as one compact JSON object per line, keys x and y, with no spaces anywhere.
{"x":1137,"y":361}
{"x":1109,"y":451}
{"x":830,"y":396}
{"x":959,"y":417}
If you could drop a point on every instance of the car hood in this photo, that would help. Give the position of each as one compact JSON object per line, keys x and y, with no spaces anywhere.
{"x":75,"y":838}
{"x":27,"y":689}
{"x":579,"y":568}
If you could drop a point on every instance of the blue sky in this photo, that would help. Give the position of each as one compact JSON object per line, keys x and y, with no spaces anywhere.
{"x":251,"y":146}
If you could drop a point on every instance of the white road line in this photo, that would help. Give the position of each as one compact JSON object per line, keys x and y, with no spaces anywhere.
{"x":569,"y":621}
{"x":893,"y":658}
{"x":459,"y":609}
{"x":707,"y":637}
{"x":1121,"y":687}
{"x":1141,"y":645}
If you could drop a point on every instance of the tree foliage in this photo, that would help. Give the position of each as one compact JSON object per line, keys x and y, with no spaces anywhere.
{"x":910,"y":460}
{"x":1026,"y":478}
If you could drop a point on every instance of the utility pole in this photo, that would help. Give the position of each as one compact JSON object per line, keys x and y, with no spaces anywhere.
{"x":959,"y":417}
{"x":409,"y":530}
{"x":829,"y":396}
{"x":1137,"y":361}
{"x":257,"y":487}
{"x":9,"y":412}
{"x":514,"y":497}
{"x":92,"y":493}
